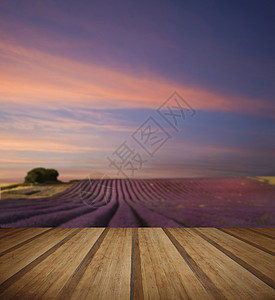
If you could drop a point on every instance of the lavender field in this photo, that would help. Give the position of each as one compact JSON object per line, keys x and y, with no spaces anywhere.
{"x":217,"y":202}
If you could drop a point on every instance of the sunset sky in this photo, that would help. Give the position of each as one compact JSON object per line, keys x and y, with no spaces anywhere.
{"x":78,"y":79}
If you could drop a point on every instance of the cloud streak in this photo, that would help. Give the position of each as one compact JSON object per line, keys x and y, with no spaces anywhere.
{"x":33,"y":77}
{"x":26,"y":144}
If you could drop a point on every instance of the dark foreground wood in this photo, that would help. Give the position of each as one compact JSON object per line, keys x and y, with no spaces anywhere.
{"x":137,"y":263}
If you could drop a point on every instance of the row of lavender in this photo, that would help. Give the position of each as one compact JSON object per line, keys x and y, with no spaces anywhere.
{"x":220,"y":202}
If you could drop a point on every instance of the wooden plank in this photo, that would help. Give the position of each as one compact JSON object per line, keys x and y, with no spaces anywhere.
{"x":46,"y":280}
{"x":165,"y":274}
{"x":136,"y":277}
{"x":69,"y":287}
{"x":269,"y":232}
{"x":109,"y":273}
{"x":234,"y":281}
{"x":256,"y":261}
{"x":18,"y":239}
{"x":253,"y":238}
{"x":14,"y":261}
{"x":137,"y":263}
{"x":204,"y":279}
{"x":9,"y":231}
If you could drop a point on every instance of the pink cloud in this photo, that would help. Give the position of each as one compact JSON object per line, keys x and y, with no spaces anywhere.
{"x":39,"y":145}
{"x":35,"y":78}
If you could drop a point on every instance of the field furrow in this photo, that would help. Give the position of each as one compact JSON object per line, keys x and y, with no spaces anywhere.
{"x":193,"y":202}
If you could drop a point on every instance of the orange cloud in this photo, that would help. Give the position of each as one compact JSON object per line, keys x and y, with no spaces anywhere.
{"x":30,"y":76}
{"x":26,"y":144}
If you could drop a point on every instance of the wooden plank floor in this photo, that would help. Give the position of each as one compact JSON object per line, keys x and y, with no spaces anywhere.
{"x":137,"y":263}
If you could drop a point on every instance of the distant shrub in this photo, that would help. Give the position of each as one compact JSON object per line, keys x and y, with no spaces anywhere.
{"x":74,"y":180}
{"x":41,"y":175}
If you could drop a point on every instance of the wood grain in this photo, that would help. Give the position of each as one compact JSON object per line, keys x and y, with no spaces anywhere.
{"x":268,"y":232}
{"x":47,"y":279}
{"x":221,"y":269}
{"x":252,"y":259}
{"x":137,"y":263}
{"x":10,"y":231}
{"x":165,"y":274}
{"x":109,"y":273}
{"x":255,"y":239}
{"x":13,"y":262}
{"x":202,"y":276}
{"x":18,"y":239}
{"x":69,"y":287}
{"x":136,"y":277}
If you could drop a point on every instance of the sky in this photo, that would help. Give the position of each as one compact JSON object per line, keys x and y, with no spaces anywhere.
{"x":138,"y":89}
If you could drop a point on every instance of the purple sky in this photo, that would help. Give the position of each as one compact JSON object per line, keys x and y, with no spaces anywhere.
{"x":79,"y":78}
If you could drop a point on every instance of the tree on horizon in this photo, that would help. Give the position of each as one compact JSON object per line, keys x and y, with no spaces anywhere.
{"x":41,"y":175}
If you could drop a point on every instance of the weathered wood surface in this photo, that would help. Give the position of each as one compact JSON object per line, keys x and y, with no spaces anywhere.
{"x":137,"y":263}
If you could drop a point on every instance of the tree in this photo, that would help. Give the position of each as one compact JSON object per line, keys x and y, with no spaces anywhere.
{"x":51,"y":175}
{"x":41,"y":175}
